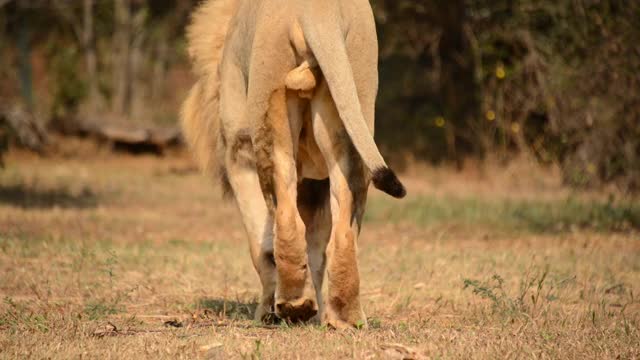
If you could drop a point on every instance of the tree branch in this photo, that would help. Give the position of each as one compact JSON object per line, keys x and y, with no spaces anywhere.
{"x":73,"y":21}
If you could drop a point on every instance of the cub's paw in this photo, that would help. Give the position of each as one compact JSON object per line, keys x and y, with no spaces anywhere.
{"x":301,"y":79}
{"x":300,"y":310}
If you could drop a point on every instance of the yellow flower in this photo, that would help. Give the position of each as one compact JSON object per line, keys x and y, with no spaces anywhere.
{"x":439,"y":121}
{"x":491,"y":115}
{"x":500,"y":72}
{"x":591,"y":169}
{"x":515,"y":127}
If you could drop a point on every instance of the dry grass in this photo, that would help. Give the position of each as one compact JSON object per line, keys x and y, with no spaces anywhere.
{"x":116,"y":257}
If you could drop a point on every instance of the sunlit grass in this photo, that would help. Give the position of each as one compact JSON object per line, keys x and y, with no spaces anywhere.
{"x":508,"y":215}
{"x":159,"y":267}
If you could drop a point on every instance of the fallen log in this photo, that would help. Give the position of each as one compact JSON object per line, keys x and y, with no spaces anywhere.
{"x":138,"y":139}
{"x":21,"y":126}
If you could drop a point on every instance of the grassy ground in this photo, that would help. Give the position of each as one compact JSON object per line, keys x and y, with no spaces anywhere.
{"x":116,"y":257}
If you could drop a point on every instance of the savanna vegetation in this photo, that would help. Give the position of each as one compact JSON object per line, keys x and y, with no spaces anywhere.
{"x":120,"y":256}
{"x":551,"y":81}
{"x":518,"y":125}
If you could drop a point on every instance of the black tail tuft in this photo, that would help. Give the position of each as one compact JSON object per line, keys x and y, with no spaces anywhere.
{"x":386,"y":180}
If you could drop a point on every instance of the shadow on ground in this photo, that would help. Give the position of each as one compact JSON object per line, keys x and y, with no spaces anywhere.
{"x":236,"y":310}
{"x":25,"y":196}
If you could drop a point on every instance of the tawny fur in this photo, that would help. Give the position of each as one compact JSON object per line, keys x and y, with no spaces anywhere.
{"x":200,"y":112}
{"x":206,"y":35}
{"x":286,"y":91}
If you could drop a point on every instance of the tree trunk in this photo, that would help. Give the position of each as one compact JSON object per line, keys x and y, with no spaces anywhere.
{"x":137,"y":88}
{"x":122,"y":58}
{"x":25,"y":72}
{"x":458,"y":88}
{"x":89,"y":45}
{"x":159,"y":70}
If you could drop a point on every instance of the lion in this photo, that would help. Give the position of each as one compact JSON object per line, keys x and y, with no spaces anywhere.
{"x":282,"y":112}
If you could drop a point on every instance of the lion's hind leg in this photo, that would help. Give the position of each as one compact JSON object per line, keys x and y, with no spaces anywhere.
{"x":241,"y":171}
{"x":347,"y":196}
{"x":257,"y":219}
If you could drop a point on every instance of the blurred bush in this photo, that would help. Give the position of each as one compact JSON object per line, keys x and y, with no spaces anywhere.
{"x":68,"y":88}
{"x":555,"y":81}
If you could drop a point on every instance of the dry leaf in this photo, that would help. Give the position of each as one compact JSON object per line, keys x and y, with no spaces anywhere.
{"x":401,"y":352}
{"x":207,"y":348}
{"x":173,"y":323}
{"x":106,"y":330}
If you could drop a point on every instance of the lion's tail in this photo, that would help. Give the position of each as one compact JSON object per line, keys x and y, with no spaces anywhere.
{"x":322,"y":32}
{"x":199,"y":115}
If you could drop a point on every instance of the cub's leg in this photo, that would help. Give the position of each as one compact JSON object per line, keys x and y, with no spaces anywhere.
{"x":305,"y":76}
{"x":313,"y":203}
{"x":348,"y":189}
{"x":295,"y":294}
{"x":240,"y":166}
